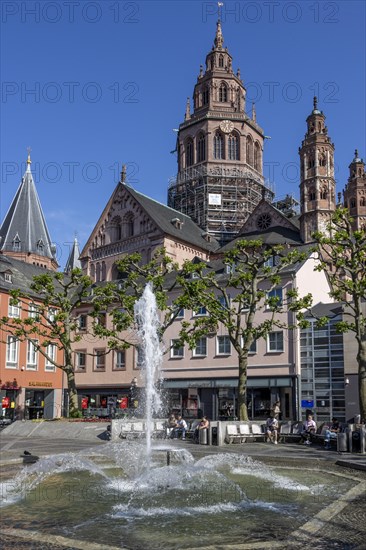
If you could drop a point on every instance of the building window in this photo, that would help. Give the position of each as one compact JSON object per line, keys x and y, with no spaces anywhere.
{"x":80,"y":359}
{"x":353,"y":203}
{"x":253,"y":347}
{"x":200,"y":311}
{"x":139,"y":357}
{"x":189,"y":152}
{"x":51,"y":314}
{"x":8,"y":277}
{"x":221,"y":61}
{"x":51,"y":352}
{"x":257,"y":157}
{"x":218,"y":146}
{"x":120,"y":359}
{"x":223,"y":345}
{"x":82,"y":321}
{"x":249,"y":151}
{"x":205,"y":96}
{"x":176,"y":351}
{"x":32,"y":355}
{"x":40,"y":246}
{"x":16,"y":244}
{"x":99,"y":359}
{"x":223,"y":93}
{"x":274,"y":298}
{"x":128,"y":224}
{"x":180,"y":314}
{"x":275,"y":341}
{"x":11,"y":352}
{"x":14,"y":309}
{"x":201,"y":148}
{"x":323,"y":193}
{"x":201,"y":348}
{"x":233,"y":144}
{"x":33,"y":311}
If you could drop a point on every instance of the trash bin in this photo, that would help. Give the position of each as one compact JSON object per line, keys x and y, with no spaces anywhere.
{"x":203,"y":437}
{"x":214,"y":438}
{"x":342,"y":443}
{"x":356,"y":441}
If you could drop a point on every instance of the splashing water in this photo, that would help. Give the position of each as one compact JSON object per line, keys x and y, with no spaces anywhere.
{"x":146,"y":315}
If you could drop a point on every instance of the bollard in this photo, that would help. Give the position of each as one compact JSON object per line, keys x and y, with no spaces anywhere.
{"x":348,"y":432}
{"x":342,"y":443}
{"x":363,"y":440}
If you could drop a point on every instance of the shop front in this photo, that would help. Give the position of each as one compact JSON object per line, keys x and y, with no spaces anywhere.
{"x":9,"y":393}
{"x":40,"y":401}
{"x":218,"y":399}
{"x":104,"y":403}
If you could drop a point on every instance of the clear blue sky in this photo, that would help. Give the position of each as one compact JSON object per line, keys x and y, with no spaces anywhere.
{"x":89,"y":85}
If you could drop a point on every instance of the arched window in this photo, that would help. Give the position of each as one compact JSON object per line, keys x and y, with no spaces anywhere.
{"x":223,"y":93}
{"x":257,"y":157}
{"x":205,"y":95}
{"x":312,"y":194}
{"x":323,"y":193}
{"x":221,"y":61}
{"x":311,"y":162}
{"x":201,"y":148}
{"x":92,"y":271}
{"x":128,"y":225}
{"x":353,"y":202}
{"x":233,"y":147}
{"x":189,"y":152}
{"x":249,"y":151}
{"x":104,"y":271}
{"x":218,"y":146}
{"x":362,"y":201}
{"x":97,"y":272}
{"x":322,"y":160}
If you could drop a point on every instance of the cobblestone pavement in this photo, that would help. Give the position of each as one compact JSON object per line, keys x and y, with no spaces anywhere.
{"x":342,"y":529}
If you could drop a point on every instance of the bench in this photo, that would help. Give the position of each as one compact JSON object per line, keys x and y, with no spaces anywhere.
{"x":240,"y":433}
{"x":290,"y":432}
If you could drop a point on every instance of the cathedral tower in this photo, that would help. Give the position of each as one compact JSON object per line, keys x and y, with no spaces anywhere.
{"x":355,"y":192}
{"x":220,"y":151}
{"x":317,"y":185}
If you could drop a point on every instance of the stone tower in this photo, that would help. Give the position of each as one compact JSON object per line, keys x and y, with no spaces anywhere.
{"x":220,"y":151}
{"x":355,"y":192}
{"x":317,"y":185}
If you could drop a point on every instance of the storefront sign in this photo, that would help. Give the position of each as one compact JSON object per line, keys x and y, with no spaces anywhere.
{"x":42,"y":384}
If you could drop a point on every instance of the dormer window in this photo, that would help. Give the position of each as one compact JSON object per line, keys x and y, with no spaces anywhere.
{"x":177,"y":223}
{"x":8,"y":277}
{"x":40,"y":246}
{"x":16,"y":244}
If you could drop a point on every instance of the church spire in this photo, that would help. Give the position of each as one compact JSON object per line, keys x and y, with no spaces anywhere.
{"x":73,"y":261}
{"x":219,"y":39}
{"x":24,"y":233}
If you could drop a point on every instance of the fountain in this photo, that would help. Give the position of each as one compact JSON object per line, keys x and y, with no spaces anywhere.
{"x":125,"y":494}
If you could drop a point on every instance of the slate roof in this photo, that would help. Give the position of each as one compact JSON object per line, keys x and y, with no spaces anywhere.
{"x":73,"y":261}
{"x":22,"y":274}
{"x":25,"y":222}
{"x":163,"y":216}
{"x":273,"y":236}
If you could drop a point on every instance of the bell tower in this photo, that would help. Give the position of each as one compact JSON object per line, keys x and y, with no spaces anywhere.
{"x":355,"y":192}
{"x":220,"y":150}
{"x":317,"y":185}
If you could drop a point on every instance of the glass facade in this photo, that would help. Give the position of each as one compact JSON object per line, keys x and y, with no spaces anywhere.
{"x":322,"y":370}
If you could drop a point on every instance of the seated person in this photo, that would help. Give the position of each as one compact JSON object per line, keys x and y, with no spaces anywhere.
{"x":171,"y":423}
{"x":308,"y":428}
{"x":272,"y":428}
{"x":203,"y":425}
{"x":331,"y":433}
{"x":181,"y":427}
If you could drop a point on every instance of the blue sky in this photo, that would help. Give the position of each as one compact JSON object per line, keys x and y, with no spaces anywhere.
{"x":89,"y":85}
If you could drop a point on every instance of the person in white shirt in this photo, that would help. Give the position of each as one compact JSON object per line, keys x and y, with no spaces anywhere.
{"x":272,"y":429}
{"x":181,"y":427}
{"x":308,"y":428}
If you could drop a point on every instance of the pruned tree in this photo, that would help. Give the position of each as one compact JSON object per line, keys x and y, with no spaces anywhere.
{"x":48,"y":319}
{"x":343,"y":253}
{"x":234,"y":295}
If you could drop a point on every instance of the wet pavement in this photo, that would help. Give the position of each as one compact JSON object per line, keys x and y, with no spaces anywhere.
{"x":341,"y":528}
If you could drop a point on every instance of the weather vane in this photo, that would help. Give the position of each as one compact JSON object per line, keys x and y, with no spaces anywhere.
{"x":219,"y":5}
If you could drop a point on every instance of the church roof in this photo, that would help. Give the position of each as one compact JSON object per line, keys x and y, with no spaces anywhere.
{"x":24,"y":228}
{"x":165,"y":217}
{"x":22,"y":274}
{"x":73,"y":261}
{"x":273,"y":236}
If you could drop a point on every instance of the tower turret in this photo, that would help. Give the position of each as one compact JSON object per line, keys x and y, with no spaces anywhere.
{"x":317,"y":183}
{"x":355,"y":192}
